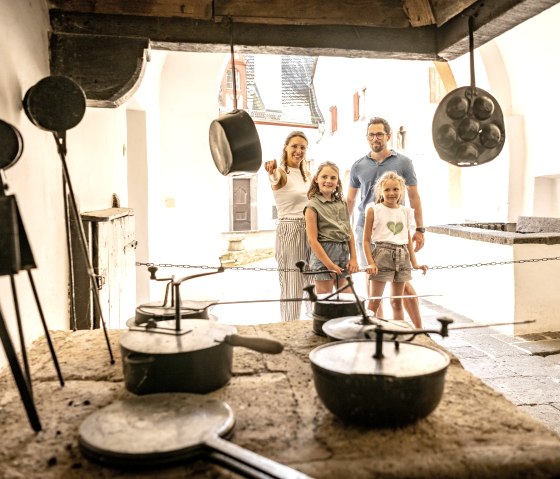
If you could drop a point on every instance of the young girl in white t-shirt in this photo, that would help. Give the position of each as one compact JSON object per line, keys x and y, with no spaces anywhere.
{"x":388,"y":225}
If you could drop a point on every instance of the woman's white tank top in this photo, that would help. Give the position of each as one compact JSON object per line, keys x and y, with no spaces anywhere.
{"x":292,"y":198}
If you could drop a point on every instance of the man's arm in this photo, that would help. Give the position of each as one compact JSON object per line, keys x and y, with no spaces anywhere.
{"x":351,"y":199}
{"x":416,"y":204}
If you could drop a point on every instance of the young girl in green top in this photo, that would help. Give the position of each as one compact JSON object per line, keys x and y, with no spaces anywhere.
{"x":329,"y":234}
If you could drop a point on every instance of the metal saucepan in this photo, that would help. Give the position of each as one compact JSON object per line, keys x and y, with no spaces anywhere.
{"x":380,"y":383}
{"x":400,"y":387}
{"x":235,"y":143}
{"x":187,"y":355}
{"x":55,"y":103}
{"x":11,"y":145}
{"x":148,"y":313}
{"x":383,"y":383}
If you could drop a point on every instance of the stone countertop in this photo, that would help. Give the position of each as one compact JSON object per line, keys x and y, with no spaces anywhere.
{"x":495,"y":236}
{"x":474,"y":432}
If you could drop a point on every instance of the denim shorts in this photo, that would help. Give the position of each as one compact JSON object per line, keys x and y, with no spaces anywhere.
{"x":393,"y":263}
{"x":339,"y":253}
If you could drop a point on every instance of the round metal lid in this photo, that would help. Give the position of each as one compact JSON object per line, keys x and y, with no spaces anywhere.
{"x":154,"y":429}
{"x":132,"y":323}
{"x":354,"y":327}
{"x":194,"y":335}
{"x":468,"y":127}
{"x":55,"y":103}
{"x":11,"y":145}
{"x":357,"y":357}
{"x":340,"y":298}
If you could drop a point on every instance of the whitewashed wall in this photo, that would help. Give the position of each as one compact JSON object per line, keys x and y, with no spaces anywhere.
{"x":96,"y":160}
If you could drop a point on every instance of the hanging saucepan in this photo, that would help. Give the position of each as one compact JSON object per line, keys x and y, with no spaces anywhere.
{"x":186,"y":355}
{"x":234,"y":141}
{"x":468,"y":127}
{"x":379,"y":383}
{"x":55,"y":103}
{"x":11,"y":145}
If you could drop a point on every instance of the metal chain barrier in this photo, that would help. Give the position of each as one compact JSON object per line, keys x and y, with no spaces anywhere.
{"x":257,"y":268}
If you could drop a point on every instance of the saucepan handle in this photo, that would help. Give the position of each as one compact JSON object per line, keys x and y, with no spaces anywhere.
{"x":262,"y":345}
{"x":256,"y":463}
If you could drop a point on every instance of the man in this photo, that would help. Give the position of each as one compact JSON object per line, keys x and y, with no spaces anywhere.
{"x":363,"y":175}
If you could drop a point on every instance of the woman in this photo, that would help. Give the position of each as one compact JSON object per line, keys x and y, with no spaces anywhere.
{"x":290,"y":182}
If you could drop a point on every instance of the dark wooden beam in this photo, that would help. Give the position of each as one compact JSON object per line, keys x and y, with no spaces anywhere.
{"x":106,"y":52}
{"x":491,"y":20}
{"x":181,"y":34}
{"x":108,"y":68}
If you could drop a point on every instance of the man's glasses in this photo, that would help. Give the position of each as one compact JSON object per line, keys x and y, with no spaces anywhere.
{"x":379,"y":136}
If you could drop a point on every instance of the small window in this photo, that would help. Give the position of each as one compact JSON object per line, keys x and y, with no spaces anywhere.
{"x":334,"y":118}
{"x":229,"y":79}
{"x":356,"y":106}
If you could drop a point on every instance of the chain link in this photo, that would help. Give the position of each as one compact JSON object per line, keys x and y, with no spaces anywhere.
{"x":257,"y":268}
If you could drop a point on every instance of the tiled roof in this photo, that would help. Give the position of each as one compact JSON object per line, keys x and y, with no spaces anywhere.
{"x":299,"y":103}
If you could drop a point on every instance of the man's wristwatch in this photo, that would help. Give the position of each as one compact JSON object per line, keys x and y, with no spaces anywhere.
{"x":421,"y":230}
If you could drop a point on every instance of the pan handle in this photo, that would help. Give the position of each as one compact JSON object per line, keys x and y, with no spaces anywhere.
{"x":255,"y":461}
{"x":135,"y":359}
{"x":262,"y":345}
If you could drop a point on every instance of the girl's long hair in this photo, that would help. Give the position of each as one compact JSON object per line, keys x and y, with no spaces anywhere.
{"x":314,"y":187}
{"x":378,"y":188}
{"x":284,"y":157}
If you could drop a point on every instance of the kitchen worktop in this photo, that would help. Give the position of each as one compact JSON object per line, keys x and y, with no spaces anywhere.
{"x":474,"y":433}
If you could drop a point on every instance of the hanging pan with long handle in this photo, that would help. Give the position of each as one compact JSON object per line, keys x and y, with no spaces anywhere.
{"x":234,"y":141}
{"x":56,"y":104}
{"x":468,"y":126}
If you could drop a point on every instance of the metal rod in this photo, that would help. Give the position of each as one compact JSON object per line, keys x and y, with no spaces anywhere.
{"x":61,"y":144}
{"x":47,"y":335}
{"x":73,"y":319}
{"x":471,"y":52}
{"x":23,"y":387}
{"x":21,"y":335}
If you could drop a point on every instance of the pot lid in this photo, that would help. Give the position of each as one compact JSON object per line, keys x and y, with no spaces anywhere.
{"x":194,"y":335}
{"x":157,"y":310}
{"x":354,"y":327}
{"x":356,"y":357}
{"x":11,"y":145}
{"x":154,"y":429}
{"x":135,"y":324}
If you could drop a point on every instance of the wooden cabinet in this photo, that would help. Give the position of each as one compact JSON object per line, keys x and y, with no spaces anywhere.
{"x":112,"y":248}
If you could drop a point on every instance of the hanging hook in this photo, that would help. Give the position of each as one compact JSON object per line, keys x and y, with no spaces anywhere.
{"x":233,"y":70}
{"x":471,"y":52}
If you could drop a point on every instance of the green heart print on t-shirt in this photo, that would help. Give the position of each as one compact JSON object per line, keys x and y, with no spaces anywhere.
{"x":395,"y":228}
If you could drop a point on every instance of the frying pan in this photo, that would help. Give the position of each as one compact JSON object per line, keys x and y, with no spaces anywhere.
{"x":169,"y":429}
{"x":11,"y":145}
{"x":55,"y":103}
